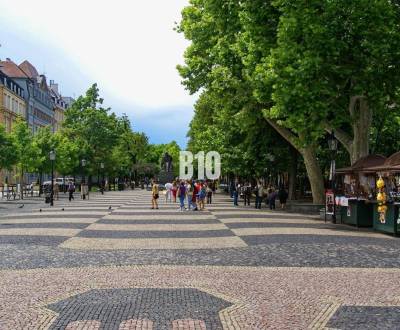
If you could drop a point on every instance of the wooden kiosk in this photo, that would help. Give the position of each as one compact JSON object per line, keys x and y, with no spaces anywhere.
{"x":356,"y":188}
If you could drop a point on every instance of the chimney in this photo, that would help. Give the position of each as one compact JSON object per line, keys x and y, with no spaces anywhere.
{"x":54,"y":86}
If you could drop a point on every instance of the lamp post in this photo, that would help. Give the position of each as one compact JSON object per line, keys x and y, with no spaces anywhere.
{"x":83,"y":181}
{"x":102,"y":180}
{"x":333,"y":146}
{"x":52,"y":157}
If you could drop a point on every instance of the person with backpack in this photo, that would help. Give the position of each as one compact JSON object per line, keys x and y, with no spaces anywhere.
{"x":182,"y":195}
{"x":155,"y":195}
{"x":71,"y":190}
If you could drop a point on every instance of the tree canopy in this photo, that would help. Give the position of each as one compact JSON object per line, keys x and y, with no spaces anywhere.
{"x":304,"y":68}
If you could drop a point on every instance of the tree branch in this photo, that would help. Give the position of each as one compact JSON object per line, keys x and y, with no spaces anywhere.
{"x":284,"y":132}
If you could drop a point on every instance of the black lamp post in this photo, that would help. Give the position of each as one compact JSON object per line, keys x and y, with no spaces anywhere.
{"x":83,"y":163}
{"x":52,"y":157}
{"x":333,"y":147}
{"x":102,"y":180}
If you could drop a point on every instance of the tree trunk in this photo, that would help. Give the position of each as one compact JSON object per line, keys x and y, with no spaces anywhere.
{"x":356,"y":144}
{"x":361,"y":115}
{"x":293,"y":173}
{"x":314,"y":175}
{"x":310,"y":160}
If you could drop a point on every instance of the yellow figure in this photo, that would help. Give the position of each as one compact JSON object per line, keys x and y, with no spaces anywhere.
{"x":381,"y":198}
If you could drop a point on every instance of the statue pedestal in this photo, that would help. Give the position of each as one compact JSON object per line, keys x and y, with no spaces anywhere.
{"x":165,"y":177}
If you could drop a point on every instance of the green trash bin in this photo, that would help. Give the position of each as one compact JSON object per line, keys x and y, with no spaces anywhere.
{"x":392,"y":220}
{"x":358,"y":213}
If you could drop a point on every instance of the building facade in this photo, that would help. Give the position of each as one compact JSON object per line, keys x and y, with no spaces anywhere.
{"x":12,"y":102}
{"x":60,"y":105}
{"x":12,"y":106}
{"x":39,"y":103}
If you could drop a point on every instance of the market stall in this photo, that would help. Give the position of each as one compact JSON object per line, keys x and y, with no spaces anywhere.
{"x":356,"y":188}
{"x":386,"y":207}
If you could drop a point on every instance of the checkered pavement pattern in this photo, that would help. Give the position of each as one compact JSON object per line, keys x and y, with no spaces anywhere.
{"x":124,"y":220}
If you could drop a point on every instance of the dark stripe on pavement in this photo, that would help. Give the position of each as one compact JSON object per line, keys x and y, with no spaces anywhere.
{"x":32,"y":240}
{"x":260,"y":215}
{"x":281,"y":224}
{"x":159,"y":222}
{"x":44,"y":225}
{"x":312,"y":239}
{"x":154,"y":234}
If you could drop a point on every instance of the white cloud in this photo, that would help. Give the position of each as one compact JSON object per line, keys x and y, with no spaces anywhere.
{"x":127,"y":46}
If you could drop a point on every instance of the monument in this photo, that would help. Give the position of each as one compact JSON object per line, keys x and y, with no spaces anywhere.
{"x":166,"y":174}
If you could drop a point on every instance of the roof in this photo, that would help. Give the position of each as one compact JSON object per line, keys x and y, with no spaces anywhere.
{"x":393,"y":160}
{"x":11,"y":69}
{"x":392,"y":164}
{"x":364,"y":164}
{"x":29,"y":69}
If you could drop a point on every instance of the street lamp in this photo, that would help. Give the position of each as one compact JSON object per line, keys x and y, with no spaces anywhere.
{"x":83,"y":162}
{"x":102,"y":181}
{"x":83,"y":181}
{"x":52,"y":157}
{"x":333,"y":147}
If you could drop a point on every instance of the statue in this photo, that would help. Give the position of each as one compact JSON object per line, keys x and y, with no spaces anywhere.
{"x":167,"y":162}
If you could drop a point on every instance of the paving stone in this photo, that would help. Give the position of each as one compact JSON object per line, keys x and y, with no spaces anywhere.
{"x":124,"y":269}
{"x":366,"y":317}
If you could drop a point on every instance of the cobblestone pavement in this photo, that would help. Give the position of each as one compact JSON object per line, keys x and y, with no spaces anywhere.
{"x":112,"y":263}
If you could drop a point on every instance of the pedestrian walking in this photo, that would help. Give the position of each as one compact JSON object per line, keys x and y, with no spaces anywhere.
{"x":202,"y":196}
{"x":259,"y":191}
{"x":154,"y":194}
{"x":71,"y":190}
{"x":182,"y":195}
{"x":102,"y":186}
{"x":174,"y":191}
{"x":168,"y":192}
{"x":236,"y":195}
{"x":283,"y":196}
{"x":232,"y":187}
{"x":56,"y":191}
{"x":271,"y":198}
{"x":196,"y":189}
{"x":247,"y":194}
{"x":189,"y":191}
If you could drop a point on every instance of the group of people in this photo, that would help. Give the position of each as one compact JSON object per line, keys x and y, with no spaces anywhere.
{"x":192,"y":195}
{"x":261,"y":193}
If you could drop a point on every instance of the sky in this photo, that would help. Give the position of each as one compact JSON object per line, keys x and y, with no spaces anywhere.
{"x":128,"y":47}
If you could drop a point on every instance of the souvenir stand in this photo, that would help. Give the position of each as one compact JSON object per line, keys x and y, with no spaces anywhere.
{"x":386,"y":215}
{"x":356,"y":187}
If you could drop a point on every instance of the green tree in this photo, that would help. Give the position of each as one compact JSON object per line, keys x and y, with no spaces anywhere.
{"x":27,"y":152}
{"x":46,"y":141}
{"x":92,"y":127}
{"x":7,"y":155}
{"x":67,"y":155}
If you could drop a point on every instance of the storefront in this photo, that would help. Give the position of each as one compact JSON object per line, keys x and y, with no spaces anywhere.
{"x":387,"y":203}
{"x":356,"y":191}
